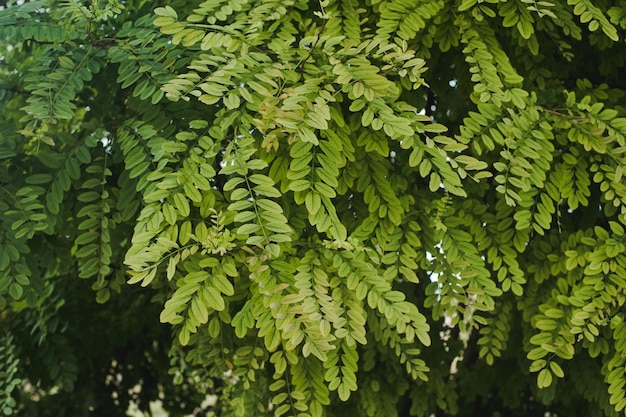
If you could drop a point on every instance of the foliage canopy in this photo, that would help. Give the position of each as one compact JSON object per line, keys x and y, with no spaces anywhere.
{"x":338,"y":207}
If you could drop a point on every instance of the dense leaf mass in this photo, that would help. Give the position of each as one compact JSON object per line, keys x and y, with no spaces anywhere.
{"x":313,"y":208}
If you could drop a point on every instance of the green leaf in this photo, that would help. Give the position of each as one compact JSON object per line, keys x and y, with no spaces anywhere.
{"x":212,"y":298}
{"x":248,"y":229}
{"x":556,"y":370}
{"x":544,"y":379}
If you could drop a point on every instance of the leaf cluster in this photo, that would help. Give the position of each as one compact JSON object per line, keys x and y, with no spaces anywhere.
{"x":332,"y":207}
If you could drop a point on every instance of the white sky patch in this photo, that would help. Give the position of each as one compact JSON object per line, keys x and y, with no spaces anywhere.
{"x":434,"y":277}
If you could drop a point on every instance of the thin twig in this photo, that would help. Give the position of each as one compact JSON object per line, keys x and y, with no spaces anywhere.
{"x":319,"y":35}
